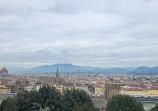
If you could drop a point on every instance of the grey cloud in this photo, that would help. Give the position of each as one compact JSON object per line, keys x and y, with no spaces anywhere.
{"x":105,"y":33}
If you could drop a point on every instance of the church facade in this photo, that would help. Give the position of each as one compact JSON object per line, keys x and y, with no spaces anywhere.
{"x":52,"y":81}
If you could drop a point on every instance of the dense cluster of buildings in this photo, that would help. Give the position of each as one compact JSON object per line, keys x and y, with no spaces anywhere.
{"x":136,"y":86}
{"x":100,"y":87}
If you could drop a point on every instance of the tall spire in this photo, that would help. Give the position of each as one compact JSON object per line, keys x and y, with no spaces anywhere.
{"x":57,"y":77}
{"x":57,"y":73}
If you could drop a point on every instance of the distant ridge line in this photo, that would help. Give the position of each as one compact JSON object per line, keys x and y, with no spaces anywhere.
{"x":74,"y":69}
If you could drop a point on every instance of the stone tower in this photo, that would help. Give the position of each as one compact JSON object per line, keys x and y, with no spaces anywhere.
{"x":111,"y":90}
{"x":57,"y":78}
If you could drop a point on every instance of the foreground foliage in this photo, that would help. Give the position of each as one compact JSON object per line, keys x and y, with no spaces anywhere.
{"x":49,"y":99}
{"x":8,"y":105}
{"x":75,"y":98}
{"x":155,"y":108}
{"x":84,"y":107}
{"x":123,"y":103}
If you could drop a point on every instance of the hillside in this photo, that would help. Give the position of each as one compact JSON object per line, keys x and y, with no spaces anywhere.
{"x":73,"y":69}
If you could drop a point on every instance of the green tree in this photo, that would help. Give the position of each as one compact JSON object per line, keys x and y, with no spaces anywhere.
{"x":46,"y":97}
{"x":50,"y":97}
{"x":3,"y":104}
{"x":123,"y":103}
{"x":8,"y":105}
{"x":84,"y":107}
{"x":27,"y":101}
{"x":75,"y":98}
{"x":155,"y":108}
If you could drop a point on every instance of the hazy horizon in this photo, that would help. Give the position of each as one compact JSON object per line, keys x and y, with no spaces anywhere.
{"x":70,"y":64}
{"x":97,"y":33}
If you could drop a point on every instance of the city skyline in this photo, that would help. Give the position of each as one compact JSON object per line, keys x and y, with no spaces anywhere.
{"x":102,"y":33}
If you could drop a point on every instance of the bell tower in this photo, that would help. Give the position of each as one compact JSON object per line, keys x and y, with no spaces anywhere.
{"x":111,"y":90}
{"x":57,"y":78}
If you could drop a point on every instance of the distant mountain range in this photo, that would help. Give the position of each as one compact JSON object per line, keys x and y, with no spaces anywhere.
{"x":73,"y":69}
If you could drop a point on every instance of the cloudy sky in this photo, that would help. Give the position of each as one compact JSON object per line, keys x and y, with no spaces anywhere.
{"x":100,"y":33}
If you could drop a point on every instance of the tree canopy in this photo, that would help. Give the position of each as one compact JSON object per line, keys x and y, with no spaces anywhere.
{"x":123,"y":103}
{"x":75,"y":98}
{"x":8,"y":105}
{"x":49,"y":99}
{"x":84,"y":107}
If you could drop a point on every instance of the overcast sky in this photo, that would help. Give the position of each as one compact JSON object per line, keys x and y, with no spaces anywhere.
{"x":100,"y":33}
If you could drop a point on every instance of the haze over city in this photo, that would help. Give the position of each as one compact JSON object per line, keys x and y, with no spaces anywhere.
{"x":98,"y":33}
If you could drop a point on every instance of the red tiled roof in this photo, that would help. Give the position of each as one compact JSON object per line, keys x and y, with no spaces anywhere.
{"x":132,"y":89}
{"x":154,"y":88}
